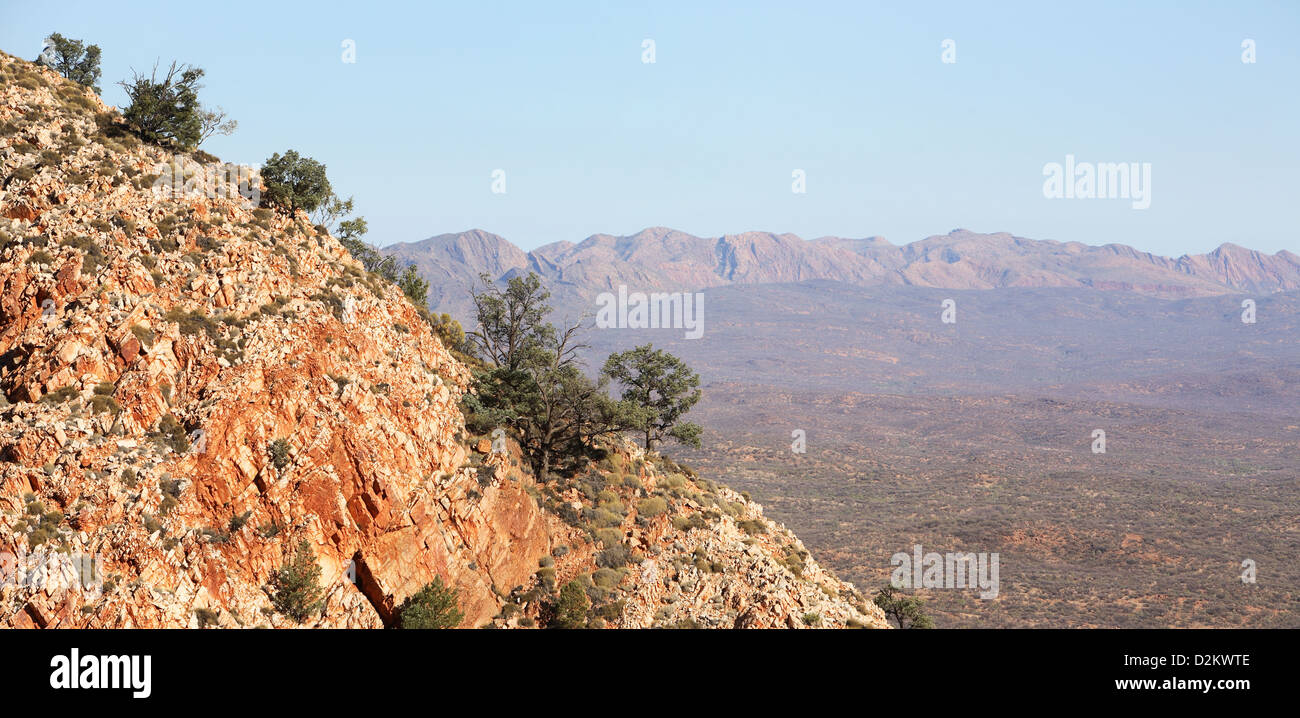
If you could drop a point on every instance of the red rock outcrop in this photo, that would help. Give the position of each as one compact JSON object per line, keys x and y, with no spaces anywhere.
{"x":191,"y":386}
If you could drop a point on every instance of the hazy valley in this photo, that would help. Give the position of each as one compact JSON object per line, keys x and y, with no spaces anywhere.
{"x":977,"y":435}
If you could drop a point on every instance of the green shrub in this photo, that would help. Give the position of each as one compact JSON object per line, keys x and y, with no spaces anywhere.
{"x":279,"y":450}
{"x":172,"y":434}
{"x":571,"y":607}
{"x":59,"y":396}
{"x":651,"y":507}
{"x":604,"y":518}
{"x":606,"y":577}
{"x":794,"y":562}
{"x":614,"y":557}
{"x":73,"y":59}
{"x":296,"y":590}
{"x":40,"y":256}
{"x":46,"y":523}
{"x":145,"y":336}
{"x":166,"y":111}
{"x":674,"y":481}
{"x":609,"y":537}
{"x":295,"y":182}
{"x":91,"y":254}
{"x":238,"y":521}
{"x":448,"y":330}
{"x":694,"y":521}
{"x":103,"y":404}
{"x":434,"y":606}
{"x":752,"y":527}
{"x":611,"y":611}
{"x":192,"y":322}
{"x":906,"y":611}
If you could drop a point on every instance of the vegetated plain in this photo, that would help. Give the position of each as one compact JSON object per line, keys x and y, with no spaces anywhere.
{"x":978,"y":436}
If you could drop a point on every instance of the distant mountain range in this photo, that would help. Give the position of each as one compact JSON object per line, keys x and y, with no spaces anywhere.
{"x":662,"y":258}
{"x":977,"y":433}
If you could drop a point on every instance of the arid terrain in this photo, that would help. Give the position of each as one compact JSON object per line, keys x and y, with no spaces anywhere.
{"x":978,"y":435}
{"x":240,"y":425}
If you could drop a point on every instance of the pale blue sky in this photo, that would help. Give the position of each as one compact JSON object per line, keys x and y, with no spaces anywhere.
{"x":894,"y":142}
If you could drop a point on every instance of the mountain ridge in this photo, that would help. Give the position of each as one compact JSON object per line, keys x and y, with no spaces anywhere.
{"x":662,"y":257}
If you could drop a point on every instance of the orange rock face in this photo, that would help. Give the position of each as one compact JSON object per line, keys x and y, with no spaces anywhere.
{"x":98,"y":358}
{"x":191,"y":387}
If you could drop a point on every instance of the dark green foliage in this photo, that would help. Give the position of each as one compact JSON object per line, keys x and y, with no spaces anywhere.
{"x":413,"y":286}
{"x":73,"y":59}
{"x":571,"y":607}
{"x":166,"y":111}
{"x":534,"y":383}
{"x":611,"y":611}
{"x":296,"y":590}
{"x":295,"y":182}
{"x":279,"y":450}
{"x":906,"y":611}
{"x":662,"y":388}
{"x":172,"y":434}
{"x":238,"y":521}
{"x":434,"y":606}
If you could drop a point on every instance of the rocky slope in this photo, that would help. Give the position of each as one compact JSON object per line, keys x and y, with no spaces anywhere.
{"x":673,"y":260}
{"x":190,"y":386}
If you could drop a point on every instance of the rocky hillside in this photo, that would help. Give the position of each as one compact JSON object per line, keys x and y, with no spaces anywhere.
{"x":664,"y":258}
{"x":191,"y":386}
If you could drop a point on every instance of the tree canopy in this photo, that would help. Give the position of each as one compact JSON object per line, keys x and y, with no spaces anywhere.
{"x":73,"y":59}
{"x":906,"y":611}
{"x":166,"y":110}
{"x":662,"y":388}
{"x":295,"y":182}
{"x":534,"y":383}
